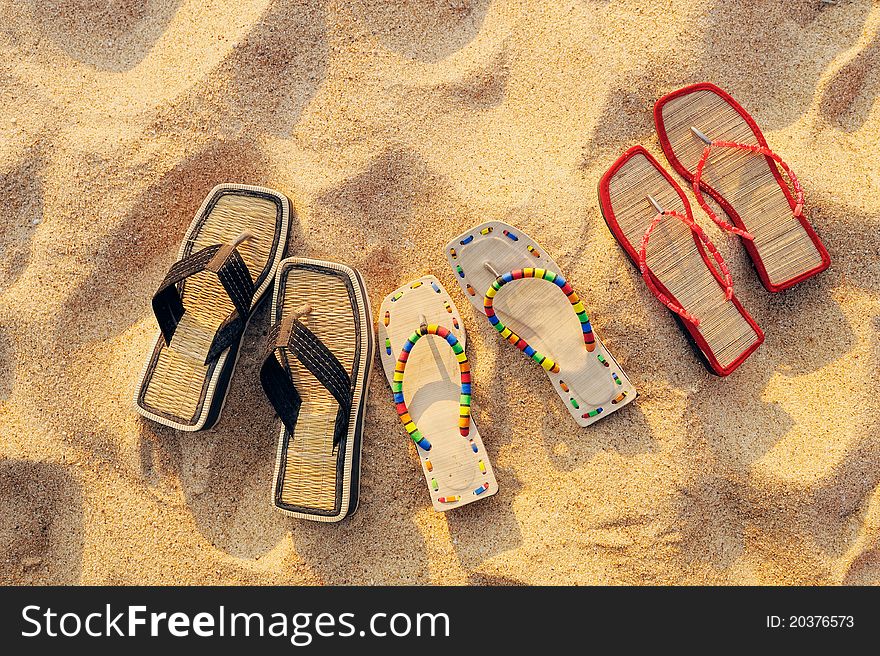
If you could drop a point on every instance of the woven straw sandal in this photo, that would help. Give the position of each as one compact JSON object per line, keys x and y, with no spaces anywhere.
{"x":714,"y":143}
{"x":650,"y":217}
{"x":431,"y":384}
{"x":549,"y":325}
{"x":225,"y":265}
{"x":315,"y":374}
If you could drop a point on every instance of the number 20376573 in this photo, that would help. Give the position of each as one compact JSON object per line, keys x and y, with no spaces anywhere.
{"x":810,"y":622}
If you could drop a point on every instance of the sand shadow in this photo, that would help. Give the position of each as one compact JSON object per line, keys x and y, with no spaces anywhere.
{"x":627,"y":117}
{"x":864,"y":570}
{"x":381,"y":531}
{"x":794,"y":346}
{"x":111,"y":36}
{"x":226,"y":472}
{"x":226,"y":477}
{"x":837,"y":223}
{"x":806,"y":332}
{"x":21,"y":196}
{"x":391,"y":198}
{"x":859,"y":476}
{"x":479,"y":89}
{"x":846,"y":493}
{"x":276,"y":68}
{"x":801,"y":345}
{"x":384,"y":528}
{"x":147,"y":239}
{"x":422,"y":29}
{"x":625,"y":432}
{"x":8,"y":362}
{"x":761,"y":37}
{"x":850,"y":94}
{"x":804,"y":527}
{"x":485,"y":529}
{"x":383,"y":198}
{"x":41,"y":526}
{"x":710,"y":524}
{"x":496,"y":581}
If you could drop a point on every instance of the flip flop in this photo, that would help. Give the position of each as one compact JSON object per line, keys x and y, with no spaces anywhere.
{"x":318,"y":360}
{"x":650,"y":217}
{"x":541,"y":315}
{"x":714,"y":143}
{"x":225,"y":265}
{"x":422,"y":344}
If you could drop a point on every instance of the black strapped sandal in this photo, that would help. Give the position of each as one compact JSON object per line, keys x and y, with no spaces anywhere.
{"x":226,"y":264}
{"x":318,"y":359}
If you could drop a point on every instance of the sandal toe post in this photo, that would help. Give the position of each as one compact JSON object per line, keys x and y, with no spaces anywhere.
{"x":225,"y":266}
{"x":422,"y":344}
{"x":718,"y":147}
{"x":319,"y":353}
{"x":649,"y":215}
{"x":512,"y":280}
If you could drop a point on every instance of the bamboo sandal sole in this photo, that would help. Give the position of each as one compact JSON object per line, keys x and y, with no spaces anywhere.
{"x":678,"y":263}
{"x":316,"y":374}
{"x":185,"y":379}
{"x":508,"y":277}
{"x":422,"y":343}
{"x":743,"y":178}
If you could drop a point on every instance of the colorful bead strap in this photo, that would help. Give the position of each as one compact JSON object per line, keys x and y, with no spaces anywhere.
{"x":762,"y":150}
{"x":519,"y":342}
{"x":464,"y":417}
{"x":647,"y":274}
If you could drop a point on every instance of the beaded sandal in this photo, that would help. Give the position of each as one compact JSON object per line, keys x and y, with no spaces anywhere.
{"x":315,"y":374}
{"x":651,"y":218}
{"x":549,"y":325}
{"x":225,"y":265}
{"x":714,"y":143}
{"x":431,"y":384}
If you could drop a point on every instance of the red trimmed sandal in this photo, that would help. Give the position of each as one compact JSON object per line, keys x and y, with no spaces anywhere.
{"x":650,"y":217}
{"x":717,"y":146}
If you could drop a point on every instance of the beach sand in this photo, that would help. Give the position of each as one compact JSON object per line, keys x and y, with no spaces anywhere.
{"x":394,"y":126}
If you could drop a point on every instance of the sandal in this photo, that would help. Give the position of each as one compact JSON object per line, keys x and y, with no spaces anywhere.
{"x":548,"y":325}
{"x":714,"y":143}
{"x":431,"y":383}
{"x":225,"y":265}
{"x":650,"y":217}
{"x":315,"y":374}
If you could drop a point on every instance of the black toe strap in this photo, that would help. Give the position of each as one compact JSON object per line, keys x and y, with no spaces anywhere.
{"x":291,"y":336}
{"x":233,"y":273}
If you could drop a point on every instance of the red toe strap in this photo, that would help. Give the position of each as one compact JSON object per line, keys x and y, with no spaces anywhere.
{"x":761,"y":150}
{"x":648,"y":275}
